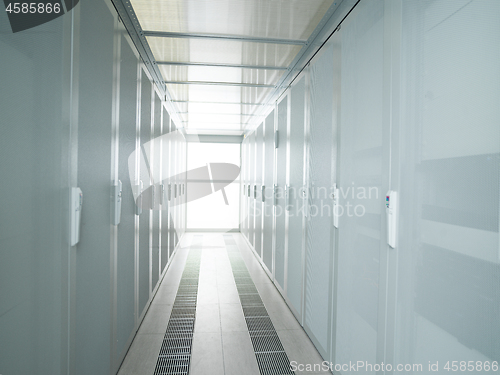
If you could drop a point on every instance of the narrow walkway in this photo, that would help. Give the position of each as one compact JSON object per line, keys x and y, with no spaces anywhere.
{"x":221,"y":340}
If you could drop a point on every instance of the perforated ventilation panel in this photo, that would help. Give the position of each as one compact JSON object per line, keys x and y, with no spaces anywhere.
{"x":175,"y":352}
{"x":269,"y":352}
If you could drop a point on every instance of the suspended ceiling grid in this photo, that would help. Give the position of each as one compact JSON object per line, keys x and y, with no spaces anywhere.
{"x":222,"y":60}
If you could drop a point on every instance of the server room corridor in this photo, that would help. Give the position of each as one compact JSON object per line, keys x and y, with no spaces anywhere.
{"x":250,"y":187}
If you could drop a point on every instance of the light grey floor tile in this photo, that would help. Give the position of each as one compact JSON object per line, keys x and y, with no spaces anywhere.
{"x":172,"y":278}
{"x":156,"y":319}
{"x":207,"y":293}
{"x":143,"y":355}
{"x":224,"y":279}
{"x":207,"y":278}
{"x":206,"y":355}
{"x":207,"y":318}
{"x":269,"y":293}
{"x":261,"y":278}
{"x":164,"y":296}
{"x":232,"y":318}
{"x":228,"y":293}
{"x":239,"y":357}
{"x":300,"y":349}
{"x":282,"y":316}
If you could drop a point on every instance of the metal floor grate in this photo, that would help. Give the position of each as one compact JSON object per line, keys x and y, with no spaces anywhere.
{"x":175,"y":351}
{"x":259,"y":324}
{"x":269,"y":352}
{"x":247,"y":289}
{"x":267,"y":341}
{"x":273,"y":363}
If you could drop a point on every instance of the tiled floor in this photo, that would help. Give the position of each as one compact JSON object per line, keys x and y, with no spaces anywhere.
{"x":221,"y":342}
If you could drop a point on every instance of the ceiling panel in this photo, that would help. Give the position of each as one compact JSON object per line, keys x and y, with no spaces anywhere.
{"x":291,"y":19}
{"x":222,"y":51}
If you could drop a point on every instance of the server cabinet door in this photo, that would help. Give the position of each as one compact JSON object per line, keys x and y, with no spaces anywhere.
{"x":364,"y":165}
{"x":296,"y":202}
{"x":165,"y":174}
{"x":125,"y":278}
{"x":173,"y":171}
{"x":155,"y":171}
{"x":258,"y":191}
{"x":244,"y":182}
{"x":319,"y":249}
{"x":144,"y":222}
{"x":279,"y":212}
{"x":251,"y":182}
{"x":267,"y":242}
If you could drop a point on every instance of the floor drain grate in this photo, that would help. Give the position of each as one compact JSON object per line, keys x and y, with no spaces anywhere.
{"x":175,"y":351}
{"x":269,"y":352}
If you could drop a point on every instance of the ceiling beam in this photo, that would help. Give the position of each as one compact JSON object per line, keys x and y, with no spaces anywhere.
{"x":177,"y":63}
{"x":201,"y":102}
{"x":217,"y":84}
{"x":164,"y":34}
{"x":217,"y":114}
{"x":212,"y":138}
